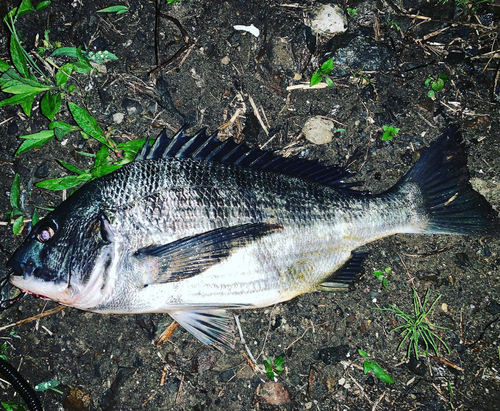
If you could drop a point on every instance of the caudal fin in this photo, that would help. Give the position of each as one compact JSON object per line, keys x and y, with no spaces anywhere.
{"x":451,"y":204}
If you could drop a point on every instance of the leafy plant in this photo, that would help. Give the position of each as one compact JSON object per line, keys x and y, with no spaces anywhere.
{"x":389,"y":132}
{"x":373,"y":366}
{"x":273,"y":367}
{"x":21,"y":80}
{"x":115,"y":9}
{"x":351,"y":12}
{"x":416,"y":327}
{"x":12,"y":406}
{"x":382,"y":276}
{"x":322,"y":73}
{"x":16,"y":215}
{"x":435,"y":84}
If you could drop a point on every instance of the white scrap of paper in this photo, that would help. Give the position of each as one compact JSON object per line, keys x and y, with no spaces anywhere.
{"x":251,"y":29}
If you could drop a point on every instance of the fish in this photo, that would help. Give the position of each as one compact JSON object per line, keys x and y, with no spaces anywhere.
{"x":195,"y":227}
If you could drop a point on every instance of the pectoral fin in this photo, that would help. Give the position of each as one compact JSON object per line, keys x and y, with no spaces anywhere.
{"x":208,"y":326}
{"x":341,"y":279}
{"x":192,"y":255}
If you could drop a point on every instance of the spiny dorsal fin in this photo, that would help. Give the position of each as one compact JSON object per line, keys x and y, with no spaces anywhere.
{"x":209,"y":148}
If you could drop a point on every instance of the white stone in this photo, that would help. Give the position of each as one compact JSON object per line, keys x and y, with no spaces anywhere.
{"x":225,"y":60}
{"x":118,"y":118}
{"x":328,"y":19}
{"x":318,"y":130}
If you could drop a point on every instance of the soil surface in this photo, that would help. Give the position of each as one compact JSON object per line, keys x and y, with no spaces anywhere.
{"x":382,"y":60}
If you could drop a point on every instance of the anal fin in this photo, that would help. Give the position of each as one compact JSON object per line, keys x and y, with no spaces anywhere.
{"x":209,"y":326}
{"x":341,"y":279}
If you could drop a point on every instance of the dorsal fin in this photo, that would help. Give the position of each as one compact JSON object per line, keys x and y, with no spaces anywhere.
{"x":210,"y":148}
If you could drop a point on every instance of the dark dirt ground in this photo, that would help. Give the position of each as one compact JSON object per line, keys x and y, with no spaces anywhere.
{"x":110,"y":360}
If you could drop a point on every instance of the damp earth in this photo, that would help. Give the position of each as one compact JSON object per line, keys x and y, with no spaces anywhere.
{"x":186,"y":63}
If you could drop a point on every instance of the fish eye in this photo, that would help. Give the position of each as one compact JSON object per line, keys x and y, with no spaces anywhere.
{"x":45,"y":234}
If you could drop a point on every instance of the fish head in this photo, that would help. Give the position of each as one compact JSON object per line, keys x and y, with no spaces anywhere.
{"x":59,"y":258}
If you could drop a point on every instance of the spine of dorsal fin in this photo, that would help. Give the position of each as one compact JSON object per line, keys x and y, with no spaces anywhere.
{"x":202,"y":147}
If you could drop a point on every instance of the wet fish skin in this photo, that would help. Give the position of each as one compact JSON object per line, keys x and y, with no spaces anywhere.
{"x":194,"y":237}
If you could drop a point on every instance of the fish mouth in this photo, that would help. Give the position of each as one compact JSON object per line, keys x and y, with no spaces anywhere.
{"x":21,"y":269}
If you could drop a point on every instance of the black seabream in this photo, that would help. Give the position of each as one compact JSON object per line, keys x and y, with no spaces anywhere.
{"x":195,"y":227}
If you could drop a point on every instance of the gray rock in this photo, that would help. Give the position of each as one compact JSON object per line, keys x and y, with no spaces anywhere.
{"x":318,"y":130}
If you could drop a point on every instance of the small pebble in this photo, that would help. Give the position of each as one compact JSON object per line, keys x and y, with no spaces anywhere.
{"x":118,"y":118}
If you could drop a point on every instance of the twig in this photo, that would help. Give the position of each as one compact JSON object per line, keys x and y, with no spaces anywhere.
{"x":165,"y":335}
{"x":34,"y":318}
{"x":257,"y":114}
{"x":243,"y":340}
{"x":304,"y":86}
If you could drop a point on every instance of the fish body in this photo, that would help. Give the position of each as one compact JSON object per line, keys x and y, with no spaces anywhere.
{"x":194,"y":227}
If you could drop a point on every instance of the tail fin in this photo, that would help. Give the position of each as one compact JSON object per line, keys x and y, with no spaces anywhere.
{"x":451,"y":204}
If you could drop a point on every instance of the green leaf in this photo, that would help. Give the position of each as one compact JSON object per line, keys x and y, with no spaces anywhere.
{"x":61,"y":128}
{"x":113,"y":9}
{"x":105,"y":169}
{"x":24,"y":8}
{"x":329,"y":81}
{"x":18,"y":57}
{"x":34,"y":218}
{"x":34,"y":140}
{"x":278,"y":361}
{"x":24,"y":100}
{"x":270,"y":374}
{"x":3,"y":66}
{"x":12,"y":406}
{"x":431,"y":94}
{"x":428,"y":81}
{"x":88,"y":123}
{"x":378,"y":371}
{"x":100,"y":56}
{"x":42,"y":5}
{"x":65,"y":51}
{"x":316,"y":78}
{"x":50,"y":104}
{"x":63,"y":74}
{"x":63,"y":183}
{"x":47,"y":385}
{"x":71,"y":88}
{"x":444,"y":77}
{"x":72,"y":168}
{"x":385,"y":283}
{"x":131,"y":148}
{"x":438,"y":84}
{"x":363,"y":353}
{"x":327,"y":66}
{"x":102,"y":156}
{"x":24,"y":89}
{"x":17,"y":228}
{"x":15,"y":193}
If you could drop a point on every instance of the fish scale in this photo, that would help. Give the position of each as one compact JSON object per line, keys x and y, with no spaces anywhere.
{"x":195,"y":227}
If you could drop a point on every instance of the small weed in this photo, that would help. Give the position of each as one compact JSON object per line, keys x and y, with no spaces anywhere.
{"x":382,"y":276}
{"x":322,"y":73}
{"x":435,"y":84}
{"x":114,"y":9}
{"x":389,"y":132}
{"x":273,"y":368}
{"x":451,"y":394}
{"x":416,"y":327}
{"x":392,"y":23}
{"x":48,"y":385}
{"x":379,"y":372}
{"x":351,"y":12}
